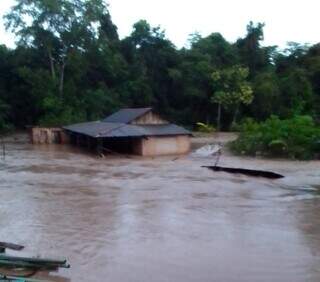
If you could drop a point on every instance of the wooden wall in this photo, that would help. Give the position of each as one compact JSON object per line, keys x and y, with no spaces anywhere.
{"x":149,"y":118}
{"x":44,"y":135}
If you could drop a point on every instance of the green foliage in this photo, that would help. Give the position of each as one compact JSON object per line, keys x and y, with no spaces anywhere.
{"x":296,"y":138}
{"x":254,"y":56}
{"x":71,"y":66}
{"x":296,"y":92}
{"x":205,"y":128}
{"x":231,"y":90}
{"x":267,"y":95}
{"x":232,"y":87}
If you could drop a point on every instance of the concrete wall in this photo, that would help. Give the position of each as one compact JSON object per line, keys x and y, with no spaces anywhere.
{"x":166,"y":145}
{"x":149,"y":118}
{"x":43,"y":135}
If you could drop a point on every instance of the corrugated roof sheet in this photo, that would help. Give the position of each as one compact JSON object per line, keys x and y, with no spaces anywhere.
{"x":126,"y":115}
{"x":113,"y":130}
{"x":93,"y":129}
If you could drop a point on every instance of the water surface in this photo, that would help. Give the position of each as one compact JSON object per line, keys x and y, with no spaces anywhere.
{"x":163,"y":219}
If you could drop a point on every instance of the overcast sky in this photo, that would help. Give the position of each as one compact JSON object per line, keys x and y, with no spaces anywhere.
{"x":286,"y":20}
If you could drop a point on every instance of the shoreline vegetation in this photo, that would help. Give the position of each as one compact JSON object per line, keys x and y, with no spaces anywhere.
{"x":294,"y":138}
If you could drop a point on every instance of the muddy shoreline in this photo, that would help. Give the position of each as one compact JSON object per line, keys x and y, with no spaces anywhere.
{"x":161,"y":219}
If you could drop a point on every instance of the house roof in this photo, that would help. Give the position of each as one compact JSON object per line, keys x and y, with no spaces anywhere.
{"x":93,"y":129}
{"x":118,"y":125}
{"x":101,"y":129}
{"x":127,"y":115}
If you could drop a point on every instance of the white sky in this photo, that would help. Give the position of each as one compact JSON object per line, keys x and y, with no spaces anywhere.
{"x":286,"y":20}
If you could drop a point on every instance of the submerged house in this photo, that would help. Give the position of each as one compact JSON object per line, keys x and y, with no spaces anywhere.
{"x":137,"y":131}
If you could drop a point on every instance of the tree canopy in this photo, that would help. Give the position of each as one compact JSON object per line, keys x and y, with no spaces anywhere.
{"x":69,"y":65}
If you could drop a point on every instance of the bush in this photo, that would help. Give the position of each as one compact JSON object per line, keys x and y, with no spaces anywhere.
{"x":296,"y":138}
{"x":205,"y":128}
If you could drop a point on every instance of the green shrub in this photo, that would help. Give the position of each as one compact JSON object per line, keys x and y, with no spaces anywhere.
{"x":205,"y":128}
{"x":296,"y":138}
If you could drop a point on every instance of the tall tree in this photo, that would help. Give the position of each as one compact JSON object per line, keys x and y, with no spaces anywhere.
{"x":252,"y":54}
{"x":150,"y":56}
{"x":205,"y":55}
{"x":59,"y":27}
{"x":231,"y":90}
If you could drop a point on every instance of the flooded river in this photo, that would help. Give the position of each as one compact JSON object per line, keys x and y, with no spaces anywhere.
{"x":164,"y":219}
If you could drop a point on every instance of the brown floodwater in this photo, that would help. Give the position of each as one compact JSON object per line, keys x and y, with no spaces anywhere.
{"x":163,"y":219}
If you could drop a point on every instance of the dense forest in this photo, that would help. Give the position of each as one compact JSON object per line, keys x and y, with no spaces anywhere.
{"x":69,"y":65}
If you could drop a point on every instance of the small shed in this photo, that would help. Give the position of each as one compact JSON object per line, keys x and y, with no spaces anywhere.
{"x":138,"y":131}
{"x":48,"y":135}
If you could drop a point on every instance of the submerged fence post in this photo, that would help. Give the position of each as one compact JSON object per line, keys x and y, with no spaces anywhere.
{"x":3,"y":149}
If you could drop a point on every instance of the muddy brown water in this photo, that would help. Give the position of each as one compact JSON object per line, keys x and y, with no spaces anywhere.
{"x":120,"y":219}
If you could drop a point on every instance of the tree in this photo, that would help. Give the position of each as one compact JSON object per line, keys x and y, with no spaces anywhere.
{"x":4,"y":110}
{"x":267,"y":95}
{"x":70,"y":66}
{"x":311,"y":63}
{"x":150,"y":57}
{"x":58,"y":27}
{"x":4,"y":73}
{"x":71,"y":52}
{"x":195,"y":68}
{"x":296,"y":92}
{"x":251,"y":53}
{"x":231,"y":90}
{"x":297,"y":88}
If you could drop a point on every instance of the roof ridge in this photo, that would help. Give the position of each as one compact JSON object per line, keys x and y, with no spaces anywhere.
{"x":127,"y":115}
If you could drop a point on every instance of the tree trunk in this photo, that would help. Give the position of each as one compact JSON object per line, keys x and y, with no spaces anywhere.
{"x":53,"y":72}
{"x":235,"y":115}
{"x":208,"y":119}
{"x":61,"y":83}
{"x":219,"y":118}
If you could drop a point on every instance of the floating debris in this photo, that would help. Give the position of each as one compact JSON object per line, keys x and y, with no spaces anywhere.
{"x":248,"y":172}
{"x":6,"y":278}
{"x":207,"y":150}
{"x":23,"y":267}
{"x":10,"y":246}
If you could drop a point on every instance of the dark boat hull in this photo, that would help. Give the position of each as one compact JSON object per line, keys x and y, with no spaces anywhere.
{"x":248,"y":172}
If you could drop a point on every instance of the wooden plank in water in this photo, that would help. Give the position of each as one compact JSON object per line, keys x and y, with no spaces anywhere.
{"x":10,"y":278}
{"x":11,"y":246}
{"x":38,"y":261}
{"x":26,"y":265}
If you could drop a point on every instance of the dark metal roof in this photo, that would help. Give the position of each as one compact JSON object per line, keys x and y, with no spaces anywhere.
{"x":112,"y":130}
{"x":127,"y":115}
{"x":93,"y":129}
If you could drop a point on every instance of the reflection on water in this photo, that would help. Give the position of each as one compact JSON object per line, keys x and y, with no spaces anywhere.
{"x":119,"y":219}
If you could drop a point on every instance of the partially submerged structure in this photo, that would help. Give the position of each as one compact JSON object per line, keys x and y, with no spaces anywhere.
{"x":138,"y":131}
{"x":48,"y":135}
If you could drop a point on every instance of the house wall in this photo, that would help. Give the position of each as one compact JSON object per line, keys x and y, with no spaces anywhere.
{"x":166,"y":145}
{"x":44,"y":135}
{"x":149,"y":118}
